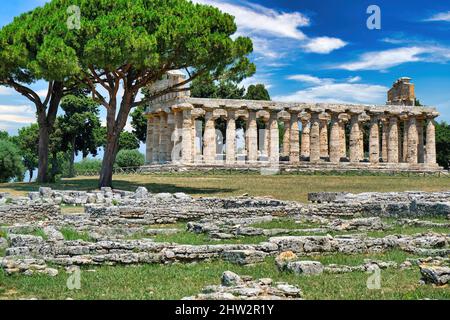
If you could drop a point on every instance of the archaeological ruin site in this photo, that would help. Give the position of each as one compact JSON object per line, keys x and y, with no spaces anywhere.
{"x":371,"y":245}
{"x":120,"y":228}
{"x":188,"y":133}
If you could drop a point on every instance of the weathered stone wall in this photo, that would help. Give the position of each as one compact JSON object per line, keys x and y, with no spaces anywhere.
{"x":27,"y":213}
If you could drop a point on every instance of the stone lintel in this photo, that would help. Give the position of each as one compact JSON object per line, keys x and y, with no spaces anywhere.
{"x":183,"y":103}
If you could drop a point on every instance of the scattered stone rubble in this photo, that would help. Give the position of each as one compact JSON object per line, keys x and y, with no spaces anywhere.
{"x":26,"y":266}
{"x":234,"y":287}
{"x":111,"y":217}
{"x":438,"y":275}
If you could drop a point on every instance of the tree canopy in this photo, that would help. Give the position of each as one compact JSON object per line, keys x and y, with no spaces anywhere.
{"x":32,"y":48}
{"x":132,"y":43}
{"x":443,"y":144}
{"x":10,"y":162}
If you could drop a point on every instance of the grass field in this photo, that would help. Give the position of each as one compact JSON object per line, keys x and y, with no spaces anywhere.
{"x":284,"y":187}
{"x":180,"y":280}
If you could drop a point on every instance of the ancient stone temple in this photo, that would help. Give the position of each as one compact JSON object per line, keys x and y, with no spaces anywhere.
{"x":193,"y":132}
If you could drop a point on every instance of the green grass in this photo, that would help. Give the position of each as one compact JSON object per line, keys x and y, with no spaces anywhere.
{"x":285,"y":187}
{"x":38,"y":233}
{"x":179,"y":280}
{"x":73,"y":235}
{"x":285,"y":224}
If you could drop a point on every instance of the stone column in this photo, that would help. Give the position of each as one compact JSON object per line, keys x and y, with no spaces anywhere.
{"x":170,"y":130}
{"x":187,"y":152}
{"x":393,"y":140}
{"x":342,"y":122}
{"x":384,"y":140}
{"x":306,"y":137}
{"x":274,"y":140}
{"x":374,"y":142}
{"x":413,"y":140}
{"x":421,"y":150}
{"x":431,"y":142}
{"x":294,"y":135}
{"x":164,"y":141}
{"x":335,"y":139}
{"x":287,"y":137}
{"x":315,"y":138}
{"x":266,"y":149}
{"x":177,"y":136}
{"x":252,"y":137}
{"x":404,"y":154}
{"x":355,"y":137}
{"x":149,"y":141}
{"x":324,"y":137}
{"x":156,"y":138}
{"x":231,"y":138}
{"x":362,"y":154}
{"x":209,"y":140}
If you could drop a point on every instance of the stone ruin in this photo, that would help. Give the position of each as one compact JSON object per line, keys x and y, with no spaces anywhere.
{"x":121,"y":227}
{"x":183,"y":136}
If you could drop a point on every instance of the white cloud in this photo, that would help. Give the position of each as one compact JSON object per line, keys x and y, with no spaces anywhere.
{"x":266,"y":48}
{"x":264,"y":25}
{"x":333,"y":91}
{"x":309,"y":79}
{"x":13,"y":117}
{"x":382,"y":60}
{"x":442,"y":16}
{"x":354,"y":79}
{"x":258,"y":78}
{"x":6,"y":91}
{"x":258,"y":19}
{"x":339,"y":93}
{"x":324,"y":45}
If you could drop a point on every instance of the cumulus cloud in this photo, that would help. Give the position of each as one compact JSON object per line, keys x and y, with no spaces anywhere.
{"x":13,"y":117}
{"x":257,"y":19}
{"x":382,"y":60}
{"x":339,"y":93}
{"x":262,"y":24}
{"x":258,"y":78}
{"x":335,"y":91}
{"x":386,"y":59}
{"x":324,"y":45}
{"x":306,"y":78}
{"x":442,"y":16}
{"x":354,"y":79}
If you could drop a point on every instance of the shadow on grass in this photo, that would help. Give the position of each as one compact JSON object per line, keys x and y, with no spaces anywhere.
{"x":88,"y":184}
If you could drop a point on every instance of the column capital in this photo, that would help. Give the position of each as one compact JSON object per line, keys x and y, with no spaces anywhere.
{"x":182,"y":107}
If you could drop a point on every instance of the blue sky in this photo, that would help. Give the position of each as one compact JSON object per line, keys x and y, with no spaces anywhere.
{"x":319,"y":51}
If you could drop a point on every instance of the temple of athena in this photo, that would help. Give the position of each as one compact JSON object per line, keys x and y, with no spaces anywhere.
{"x":193,"y":133}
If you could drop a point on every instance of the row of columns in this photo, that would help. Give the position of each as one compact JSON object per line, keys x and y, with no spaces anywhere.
{"x":323,"y":137}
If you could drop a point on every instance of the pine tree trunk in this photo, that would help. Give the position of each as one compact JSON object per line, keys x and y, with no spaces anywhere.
{"x":72,"y":160}
{"x":46,"y":121}
{"x":114,"y":128}
{"x":43,"y":153}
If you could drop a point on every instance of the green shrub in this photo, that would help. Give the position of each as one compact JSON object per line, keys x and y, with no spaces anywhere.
{"x":88,"y":165}
{"x":11,"y":167}
{"x":130,"y":158}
